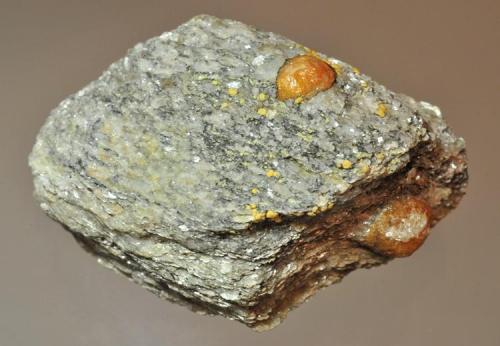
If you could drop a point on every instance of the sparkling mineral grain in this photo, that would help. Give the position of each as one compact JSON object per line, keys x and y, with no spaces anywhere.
{"x":181,"y":168}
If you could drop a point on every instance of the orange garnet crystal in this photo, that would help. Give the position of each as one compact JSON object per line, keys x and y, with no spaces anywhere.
{"x":399,"y":229}
{"x":303,"y":76}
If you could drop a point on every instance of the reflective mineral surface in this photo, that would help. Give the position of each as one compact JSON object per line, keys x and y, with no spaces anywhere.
{"x":180,"y":168}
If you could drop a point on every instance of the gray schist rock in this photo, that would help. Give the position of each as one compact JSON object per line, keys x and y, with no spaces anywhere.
{"x":181,"y":169}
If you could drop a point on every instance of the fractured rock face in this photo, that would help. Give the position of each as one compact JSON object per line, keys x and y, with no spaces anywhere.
{"x":181,"y":169}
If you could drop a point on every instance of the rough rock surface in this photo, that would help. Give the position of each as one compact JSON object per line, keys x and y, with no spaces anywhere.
{"x":180,"y":169}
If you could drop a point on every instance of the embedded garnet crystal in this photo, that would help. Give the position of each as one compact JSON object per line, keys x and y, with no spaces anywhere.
{"x":303,"y":76}
{"x":399,"y":229}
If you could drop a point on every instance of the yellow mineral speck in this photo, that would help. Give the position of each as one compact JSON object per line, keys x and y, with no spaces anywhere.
{"x":313,"y":211}
{"x":232,"y":91}
{"x":257,"y":215}
{"x":364,"y":84}
{"x":255,"y":191}
{"x":346,"y":164}
{"x":224,"y":105}
{"x":215,"y":82}
{"x":329,"y":205}
{"x":381,"y":110}
{"x":262,"y":97}
{"x":356,"y":70}
{"x":262,"y":111}
{"x":380,"y":156}
{"x":272,"y":173}
{"x":298,"y":100}
{"x":242,"y":101}
{"x":364,"y":168}
{"x":271,"y":214}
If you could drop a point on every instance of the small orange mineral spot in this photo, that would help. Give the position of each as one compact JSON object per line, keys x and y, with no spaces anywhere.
{"x":399,"y":229}
{"x":303,"y":76}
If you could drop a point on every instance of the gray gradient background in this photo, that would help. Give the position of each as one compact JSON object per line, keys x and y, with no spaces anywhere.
{"x":448,"y":293}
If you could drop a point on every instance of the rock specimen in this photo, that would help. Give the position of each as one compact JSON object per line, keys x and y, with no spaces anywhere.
{"x":182,"y":169}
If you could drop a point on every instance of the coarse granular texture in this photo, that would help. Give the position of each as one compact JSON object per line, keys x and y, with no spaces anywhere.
{"x":181,"y":169}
